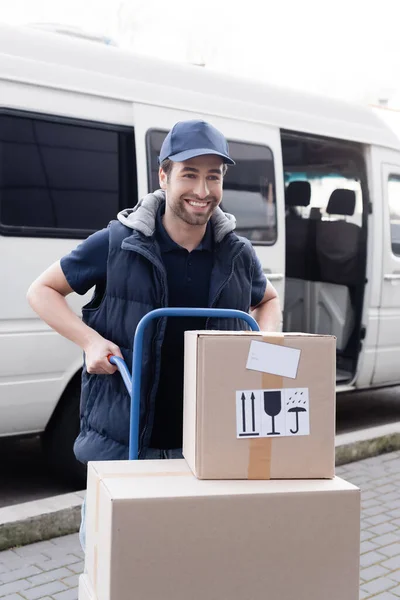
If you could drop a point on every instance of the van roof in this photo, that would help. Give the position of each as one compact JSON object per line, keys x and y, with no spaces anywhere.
{"x":27,"y":54}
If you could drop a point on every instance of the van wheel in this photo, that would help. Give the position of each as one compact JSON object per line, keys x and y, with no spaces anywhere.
{"x":59,"y":437}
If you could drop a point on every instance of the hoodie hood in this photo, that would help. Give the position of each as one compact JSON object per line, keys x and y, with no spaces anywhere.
{"x":143,"y":217}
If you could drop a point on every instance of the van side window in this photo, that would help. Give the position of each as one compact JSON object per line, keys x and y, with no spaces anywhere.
{"x":62,"y":178}
{"x":249,"y":187}
{"x":394,"y":212}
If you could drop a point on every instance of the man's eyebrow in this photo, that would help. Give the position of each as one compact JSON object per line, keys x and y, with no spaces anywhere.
{"x":190,"y":169}
{"x":193,"y":170}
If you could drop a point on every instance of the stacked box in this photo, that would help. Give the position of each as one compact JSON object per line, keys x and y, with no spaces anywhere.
{"x":249,"y":516}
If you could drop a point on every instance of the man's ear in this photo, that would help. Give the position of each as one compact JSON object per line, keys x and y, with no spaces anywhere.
{"x":163,"y":178}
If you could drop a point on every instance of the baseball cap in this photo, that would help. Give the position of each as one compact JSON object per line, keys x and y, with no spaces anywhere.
{"x":188,"y":139}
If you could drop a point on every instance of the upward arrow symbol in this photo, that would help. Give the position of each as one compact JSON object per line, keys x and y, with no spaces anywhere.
{"x":253,"y":414}
{"x":243,"y":412}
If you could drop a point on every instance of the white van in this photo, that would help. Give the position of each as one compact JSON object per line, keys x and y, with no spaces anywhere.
{"x":316,"y":189}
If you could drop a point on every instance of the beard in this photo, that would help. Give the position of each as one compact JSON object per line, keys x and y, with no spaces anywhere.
{"x":180,"y":209}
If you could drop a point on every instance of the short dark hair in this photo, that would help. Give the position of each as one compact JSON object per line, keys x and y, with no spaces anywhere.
{"x":167,"y":165}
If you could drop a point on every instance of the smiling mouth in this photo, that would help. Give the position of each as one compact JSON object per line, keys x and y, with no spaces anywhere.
{"x":197,"y":203}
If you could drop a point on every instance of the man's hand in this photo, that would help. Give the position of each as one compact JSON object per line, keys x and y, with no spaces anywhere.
{"x":97,"y":351}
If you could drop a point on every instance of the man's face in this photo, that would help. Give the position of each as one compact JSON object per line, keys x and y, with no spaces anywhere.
{"x":194,"y":188}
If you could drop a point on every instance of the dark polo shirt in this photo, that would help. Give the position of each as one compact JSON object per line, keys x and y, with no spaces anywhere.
{"x":188,"y":275}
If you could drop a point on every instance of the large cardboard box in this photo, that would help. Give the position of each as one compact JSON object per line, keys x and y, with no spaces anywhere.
{"x":259,"y":406}
{"x":171,"y":536}
{"x":100,"y":472}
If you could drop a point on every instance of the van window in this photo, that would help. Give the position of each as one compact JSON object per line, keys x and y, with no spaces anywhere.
{"x":249,"y":187}
{"x":394,"y":212}
{"x":62,"y":178}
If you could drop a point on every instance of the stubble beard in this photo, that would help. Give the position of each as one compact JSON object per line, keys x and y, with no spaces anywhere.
{"x":197,"y":220}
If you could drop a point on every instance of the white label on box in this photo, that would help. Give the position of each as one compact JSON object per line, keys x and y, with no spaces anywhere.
{"x":272,"y":413}
{"x":273,"y":359}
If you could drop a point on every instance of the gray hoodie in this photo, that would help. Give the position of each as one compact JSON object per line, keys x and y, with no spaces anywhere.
{"x":143,"y":217}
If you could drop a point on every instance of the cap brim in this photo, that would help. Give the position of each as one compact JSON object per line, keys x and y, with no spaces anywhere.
{"x":187,"y":154}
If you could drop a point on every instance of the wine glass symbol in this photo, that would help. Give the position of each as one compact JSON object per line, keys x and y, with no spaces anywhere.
{"x":273,"y":406}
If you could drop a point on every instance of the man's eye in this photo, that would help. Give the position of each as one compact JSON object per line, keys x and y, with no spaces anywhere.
{"x":190,"y":175}
{"x":214,"y":178}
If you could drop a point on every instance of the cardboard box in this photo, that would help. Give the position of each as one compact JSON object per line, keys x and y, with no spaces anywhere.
{"x":171,"y":536}
{"x":233,"y":378}
{"x":101,"y":471}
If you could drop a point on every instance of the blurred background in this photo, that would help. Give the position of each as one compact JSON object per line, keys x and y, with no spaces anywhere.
{"x":347,"y":49}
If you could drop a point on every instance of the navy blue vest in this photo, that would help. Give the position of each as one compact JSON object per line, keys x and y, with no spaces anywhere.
{"x":136,"y":284}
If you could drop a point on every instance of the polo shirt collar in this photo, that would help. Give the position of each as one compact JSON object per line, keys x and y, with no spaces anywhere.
{"x":168,"y":245}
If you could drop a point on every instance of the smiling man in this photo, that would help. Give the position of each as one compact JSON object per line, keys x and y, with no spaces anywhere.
{"x":175,"y":248}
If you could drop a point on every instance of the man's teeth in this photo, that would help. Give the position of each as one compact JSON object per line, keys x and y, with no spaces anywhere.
{"x":194,"y":203}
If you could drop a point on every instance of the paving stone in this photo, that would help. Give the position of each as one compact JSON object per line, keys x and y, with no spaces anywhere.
{"x":378,"y":585}
{"x":17,"y":562}
{"x":373,"y":572}
{"x":382,"y":528}
{"x":65,"y":561}
{"x":390,"y":550}
{"x":392,"y":563}
{"x":386,"y":540}
{"x":77,"y":567}
{"x":370,"y":558}
{"x":385,"y":596}
{"x":395,"y":576}
{"x":48,"y":589}
{"x":13,"y":587}
{"x":19,"y":574}
{"x":68,"y":595}
{"x":367,"y":546}
{"x":72,"y":581}
{"x":378,"y":519}
{"x":38,"y":548}
{"x":50,"y":576}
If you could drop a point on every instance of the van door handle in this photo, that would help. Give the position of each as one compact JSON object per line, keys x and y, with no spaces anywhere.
{"x":392,"y":277}
{"x":276,"y":276}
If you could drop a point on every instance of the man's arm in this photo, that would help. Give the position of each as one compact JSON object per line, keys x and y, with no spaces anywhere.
{"x":268,"y":313}
{"x":47,"y":296}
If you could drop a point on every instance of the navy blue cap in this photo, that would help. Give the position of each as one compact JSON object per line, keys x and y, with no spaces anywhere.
{"x":188,"y":139}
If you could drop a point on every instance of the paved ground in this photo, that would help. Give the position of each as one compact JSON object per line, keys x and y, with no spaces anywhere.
{"x":49,"y":570}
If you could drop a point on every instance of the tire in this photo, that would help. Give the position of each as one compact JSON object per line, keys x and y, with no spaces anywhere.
{"x":59,"y":437}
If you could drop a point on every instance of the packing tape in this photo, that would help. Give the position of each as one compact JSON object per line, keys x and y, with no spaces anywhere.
{"x":260,"y":450}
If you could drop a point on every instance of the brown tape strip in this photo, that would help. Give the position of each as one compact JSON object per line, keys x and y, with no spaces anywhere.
{"x":260,"y":451}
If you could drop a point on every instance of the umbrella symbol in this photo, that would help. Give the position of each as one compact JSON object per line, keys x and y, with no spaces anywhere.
{"x":297,"y":410}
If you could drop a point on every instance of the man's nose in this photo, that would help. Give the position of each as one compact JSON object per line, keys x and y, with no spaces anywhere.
{"x":201,"y":188}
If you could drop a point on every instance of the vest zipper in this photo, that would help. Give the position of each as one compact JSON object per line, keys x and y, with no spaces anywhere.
{"x":164,"y":300}
{"x":224,"y":283}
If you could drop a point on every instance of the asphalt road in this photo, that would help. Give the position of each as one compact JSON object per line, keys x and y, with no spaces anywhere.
{"x":24,"y":475}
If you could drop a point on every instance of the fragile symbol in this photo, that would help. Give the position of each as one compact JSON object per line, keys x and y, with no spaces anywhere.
{"x":272,"y":407}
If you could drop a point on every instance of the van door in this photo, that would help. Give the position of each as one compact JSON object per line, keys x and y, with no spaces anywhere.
{"x":388,"y":348}
{"x":253,"y":189}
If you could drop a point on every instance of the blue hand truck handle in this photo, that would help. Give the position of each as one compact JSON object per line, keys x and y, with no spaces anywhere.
{"x":133,"y":382}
